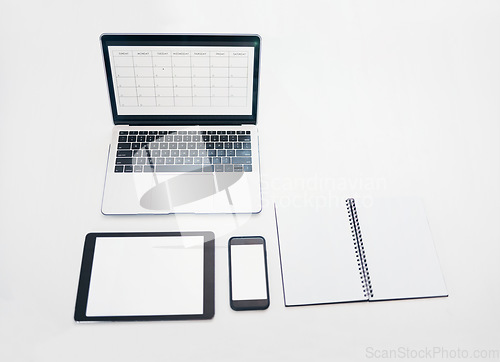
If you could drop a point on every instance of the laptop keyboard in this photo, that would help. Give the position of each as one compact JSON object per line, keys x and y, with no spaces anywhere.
{"x":184,"y":151}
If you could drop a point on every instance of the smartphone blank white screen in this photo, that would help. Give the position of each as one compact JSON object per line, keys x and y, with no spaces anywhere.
{"x":248,"y":272}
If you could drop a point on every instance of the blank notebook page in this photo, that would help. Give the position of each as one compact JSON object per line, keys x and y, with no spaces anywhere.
{"x":400,"y":253}
{"x":146,"y":276}
{"x":318,"y":258}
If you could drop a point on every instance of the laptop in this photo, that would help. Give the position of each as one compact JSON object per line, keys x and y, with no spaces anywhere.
{"x":185,"y":113}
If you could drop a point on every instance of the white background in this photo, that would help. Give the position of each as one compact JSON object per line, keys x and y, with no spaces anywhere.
{"x":402,"y":97}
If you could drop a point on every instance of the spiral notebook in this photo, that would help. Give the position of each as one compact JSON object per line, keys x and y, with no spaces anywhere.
{"x":365,"y":250}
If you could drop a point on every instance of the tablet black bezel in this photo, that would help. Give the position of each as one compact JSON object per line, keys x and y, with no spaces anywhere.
{"x":86,"y":272}
{"x":179,"y":40}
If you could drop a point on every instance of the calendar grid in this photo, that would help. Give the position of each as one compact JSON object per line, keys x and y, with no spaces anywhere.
{"x":181,"y":78}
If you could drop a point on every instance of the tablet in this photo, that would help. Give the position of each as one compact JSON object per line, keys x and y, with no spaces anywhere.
{"x":146,"y":276}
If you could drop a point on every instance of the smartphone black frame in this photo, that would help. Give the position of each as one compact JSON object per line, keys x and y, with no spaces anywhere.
{"x":250,"y":304}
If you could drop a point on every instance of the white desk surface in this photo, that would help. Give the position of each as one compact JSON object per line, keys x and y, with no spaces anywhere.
{"x":398,"y":98}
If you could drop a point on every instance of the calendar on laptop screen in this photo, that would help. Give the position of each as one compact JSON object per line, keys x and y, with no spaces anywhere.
{"x":182,"y":80}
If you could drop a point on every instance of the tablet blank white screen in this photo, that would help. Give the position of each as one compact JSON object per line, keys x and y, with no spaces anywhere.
{"x":146,"y":276}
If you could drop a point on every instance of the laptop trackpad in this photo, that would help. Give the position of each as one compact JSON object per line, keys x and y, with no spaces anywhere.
{"x":178,"y":191}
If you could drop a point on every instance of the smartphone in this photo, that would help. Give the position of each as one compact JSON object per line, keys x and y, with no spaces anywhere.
{"x":248,"y":282}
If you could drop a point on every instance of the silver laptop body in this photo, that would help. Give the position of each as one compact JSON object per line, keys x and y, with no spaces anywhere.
{"x":185,"y":113}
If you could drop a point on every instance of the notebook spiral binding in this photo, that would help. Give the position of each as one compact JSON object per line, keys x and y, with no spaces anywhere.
{"x":359,"y":248}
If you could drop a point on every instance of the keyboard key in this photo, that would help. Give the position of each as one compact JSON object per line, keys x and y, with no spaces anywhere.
{"x":179,"y":168}
{"x":153,"y":132}
{"x":221,"y":132}
{"x":191,"y":146}
{"x":164,"y":146}
{"x":214,"y":138}
{"x":165,"y":153}
{"x":244,"y":138}
{"x":149,"y":168}
{"x":137,"y":168}
{"x":237,"y":145}
{"x":129,"y":168}
{"x":216,"y":160}
{"x":154,"y":145}
{"x":184,"y":153}
{"x":182,"y":146}
{"x":186,"y":139}
{"x":174,"y":153}
{"x":205,"y":138}
{"x":197,"y":160}
{"x":191,"y":132}
{"x":238,"y":168}
{"x":228,"y":145}
{"x":141,"y":138}
{"x":240,"y":132}
{"x":160,"y":161}
{"x":243,"y":153}
{"x":169,"y":138}
{"x":226,"y":160}
{"x":169,"y":161}
{"x":247,"y":146}
{"x":155,"y":153}
{"x":123,"y":161}
{"x":162,"y":132}
{"x":211,"y":132}
{"x":141,"y":161}
{"x":247,"y":168}
{"x":196,"y":138}
{"x":122,"y":139}
{"x":177,"y":138}
{"x":230,"y":132}
{"x":209,"y":145}
{"x":172,"y":145}
{"x":221,"y":152}
{"x":118,"y":168}
{"x":182,"y":132}
{"x":136,"y":146}
{"x":230,"y":153}
{"x":233,"y":138}
{"x":188,"y":160}
{"x":241,"y":160}
{"x":219,"y":168}
{"x":211,"y":153}
{"x":179,"y":160}
{"x":135,"y":133}
{"x":200,"y":145}
{"x":224,"y":138}
{"x":150,"y":138}
{"x":228,"y":168}
{"x":132,"y":138}
{"x":193,"y":153}
{"x":207,"y":160}
{"x":208,"y":168}
{"x":123,"y":153}
{"x":202,"y":153}
{"x":123,"y":133}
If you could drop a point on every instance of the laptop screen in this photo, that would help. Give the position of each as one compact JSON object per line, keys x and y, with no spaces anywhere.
{"x":182,"y":79}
